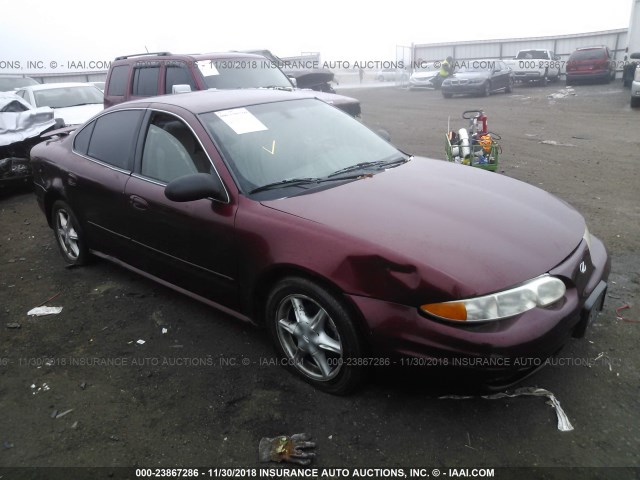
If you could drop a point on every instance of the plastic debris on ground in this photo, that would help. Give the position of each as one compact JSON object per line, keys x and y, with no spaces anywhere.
{"x":35,"y":389}
{"x":40,"y":311}
{"x":141,"y":342}
{"x":60,"y":415}
{"x":565,"y":92}
{"x":286,"y":449}
{"x":556,"y":144}
{"x":564,"y":425}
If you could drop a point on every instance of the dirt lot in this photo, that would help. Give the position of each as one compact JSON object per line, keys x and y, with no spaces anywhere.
{"x":205,"y":392}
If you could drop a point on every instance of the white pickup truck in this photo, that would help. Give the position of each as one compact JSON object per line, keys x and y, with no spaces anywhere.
{"x":535,"y":65}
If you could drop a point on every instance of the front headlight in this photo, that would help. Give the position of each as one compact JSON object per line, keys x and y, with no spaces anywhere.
{"x":539,"y":292}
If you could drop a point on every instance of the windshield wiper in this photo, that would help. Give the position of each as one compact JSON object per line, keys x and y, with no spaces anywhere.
{"x":395,"y":162}
{"x":292,"y":182}
{"x":80,"y":104}
{"x":279,"y":87}
{"x":289,"y":182}
{"x":376,"y":164}
{"x":357,"y":166}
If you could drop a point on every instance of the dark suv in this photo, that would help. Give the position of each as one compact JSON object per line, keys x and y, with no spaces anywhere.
{"x":145,"y":75}
{"x":590,"y":63}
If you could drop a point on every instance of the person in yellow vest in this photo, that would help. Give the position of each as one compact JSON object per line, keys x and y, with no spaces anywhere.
{"x":446,"y":70}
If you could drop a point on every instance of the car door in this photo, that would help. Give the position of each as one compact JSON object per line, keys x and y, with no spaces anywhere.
{"x":104,"y":149}
{"x":188,"y":244}
{"x":497,"y":77}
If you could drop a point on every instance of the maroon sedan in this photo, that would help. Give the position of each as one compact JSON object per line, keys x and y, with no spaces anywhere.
{"x":286,"y":211}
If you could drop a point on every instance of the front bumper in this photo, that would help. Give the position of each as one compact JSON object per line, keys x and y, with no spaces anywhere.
{"x":504,"y":348}
{"x":595,"y":75}
{"x":525,"y":76}
{"x":421,"y":83}
{"x":470,"y":88}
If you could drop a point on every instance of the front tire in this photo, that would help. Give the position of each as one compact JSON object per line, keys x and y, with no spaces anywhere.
{"x":315,"y":335}
{"x":69,"y":235}
{"x":509,"y":87}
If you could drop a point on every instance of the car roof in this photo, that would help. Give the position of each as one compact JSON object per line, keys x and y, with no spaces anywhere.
{"x":48,"y":86}
{"x":141,"y":57}
{"x":203,"y":101}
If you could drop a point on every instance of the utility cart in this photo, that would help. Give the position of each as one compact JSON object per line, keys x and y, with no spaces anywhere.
{"x":474,"y":146}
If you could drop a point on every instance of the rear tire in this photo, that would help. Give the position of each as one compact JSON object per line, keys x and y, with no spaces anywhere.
{"x":314,"y":334}
{"x":69,"y":234}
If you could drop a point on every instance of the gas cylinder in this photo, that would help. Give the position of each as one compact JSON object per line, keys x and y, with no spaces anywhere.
{"x":464,"y":142}
{"x":482,"y":118}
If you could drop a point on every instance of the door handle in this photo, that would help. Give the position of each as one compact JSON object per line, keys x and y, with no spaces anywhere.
{"x":72,"y":180}
{"x":138,"y":203}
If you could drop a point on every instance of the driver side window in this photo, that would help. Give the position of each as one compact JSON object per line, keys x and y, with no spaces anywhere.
{"x":171,"y":150}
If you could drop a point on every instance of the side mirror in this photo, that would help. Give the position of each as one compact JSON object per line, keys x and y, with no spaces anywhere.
{"x":195,"y":187}
{"x":293,"y":81}
{"x":181,"y":89}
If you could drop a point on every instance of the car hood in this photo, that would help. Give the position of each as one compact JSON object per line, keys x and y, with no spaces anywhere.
{"x":79,"y":114}
{"x":466,"y":230}
{"x":330,"y":98}
{"x":348,"y":104}
{"x":310,"y":78}
{"x":472,"y":75}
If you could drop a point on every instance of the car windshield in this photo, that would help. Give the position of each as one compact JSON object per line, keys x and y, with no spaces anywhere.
{"x":298,"y":139}
{"x":10,"y":84}
{"x":243,"y":73}
{"x":67,"y":96}
{"x":595,"y":54}
{"x":532,"y":55}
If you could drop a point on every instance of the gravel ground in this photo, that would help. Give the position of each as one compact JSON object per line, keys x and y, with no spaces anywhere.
{"x":77,"y":389}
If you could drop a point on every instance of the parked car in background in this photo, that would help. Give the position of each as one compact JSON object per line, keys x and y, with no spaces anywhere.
{"x":74,"y":103}
{"x":423,"y":77}
{"x":535,"y":65}
{"x":392,"y":75}
{"x":279,"y":209}
{"x":137,"y":76}
{"x":479,"y":77}
{"x":12,"y":83}
{"x":20,"y":129}
{"x":98,"y":85}
{"x":303,"y":76}
{"x":593,"y":64}
{"x":635,"y":88}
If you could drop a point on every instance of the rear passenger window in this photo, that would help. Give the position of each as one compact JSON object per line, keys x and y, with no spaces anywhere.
{"x":145,"y":80}
{"x":81,"y":142}
{"x":118,"y":80}
{"x":113,"y":138}
{"x":178,"y":74}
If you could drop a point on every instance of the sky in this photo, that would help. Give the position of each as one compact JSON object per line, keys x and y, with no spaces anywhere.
{"x":73,"y":31}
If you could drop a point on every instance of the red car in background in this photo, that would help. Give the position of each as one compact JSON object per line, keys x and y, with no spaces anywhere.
{"x":283,"y":210}
{"x":590,"y":64}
